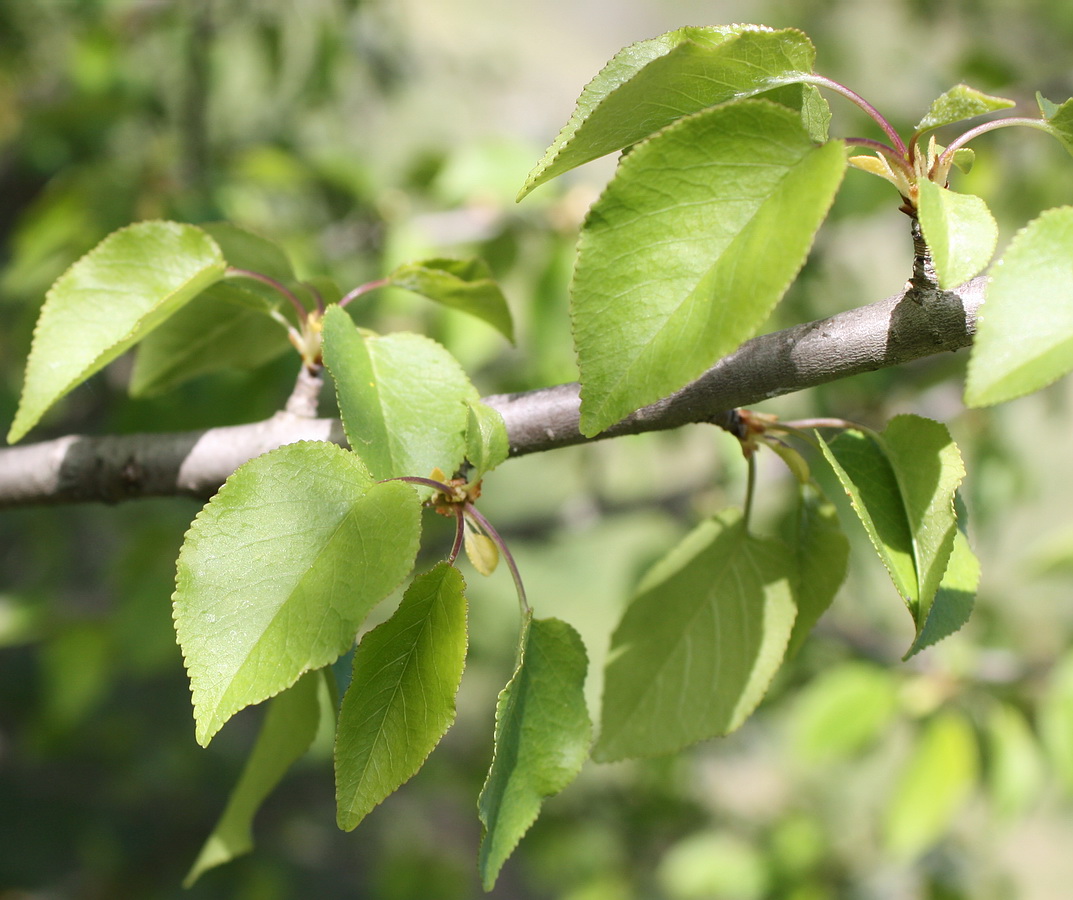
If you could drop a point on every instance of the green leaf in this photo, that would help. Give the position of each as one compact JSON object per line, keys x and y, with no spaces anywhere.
{"x":901,"y":484}
{"x":1015,"y":772}
{"x":1060,"y":119}
{"x":108,"y":301}
{"x":226,"y":326}
{"x":289,"y":727}
{"x":1024,"y":335}
{"x":465,"y":284}
{"x":934,"y":785}
{"x":841,"y":711}
{"x":245,"y":249}
{"x":487,"y":442}
{"x":401,"y":700}
{"x":955,"y":597}
{"x":699,"y":643}
{"x":404,"y":399}
{"x":821,"y":554}
{"x":541,"y":739}
{"x":959,"y":103}
{"x":959,"y":230}
{"x":1056,"y":720}
{"x":675,"y":264}
{"x":279,"y":570}
{"x":649,"y":85}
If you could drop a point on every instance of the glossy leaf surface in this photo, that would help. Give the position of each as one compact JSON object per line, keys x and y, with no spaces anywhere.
{"x":542,"y":738}
{"x":959,"y":230}
{"x":675,"y":264}
{"x":401,"y":700}
{"x":699,"y":643}
{"x":404,"y":399}
{"x":279,"y":570}
{"x":649,"y":85}
{"x":109,"y":300}
{"x":1024,"y":336}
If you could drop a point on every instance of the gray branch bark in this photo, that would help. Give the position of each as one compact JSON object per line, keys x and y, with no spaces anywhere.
{"x":918,"y":322}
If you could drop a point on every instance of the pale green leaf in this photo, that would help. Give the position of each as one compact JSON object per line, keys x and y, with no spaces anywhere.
{"x":465,"y":284}
{"x":279,"y":570}
{"x":289,"y":727}
{"x":934,"y":785}
{"x":649,"y":85}
{"x":676,"y":263}
{"x":1056,"y":720}
{"x":108,"y":301}
{"x":401,"y":700}
{"x":1024,"y":335}
{"x":842,"y":711}
{"x":487,"y":442}
{"x":1060,"y":119}
{"x":403,"y":398}
{"x":542,"y":738}
{"x":1015,"y":774}
{"x":226,"y":326}
{"x":959,"y":230}
{"x":959,"y":103}
{"x":821,"y":554}
{"x":901,"y":484}
{"x":482,"y":551}
{"x":699,"y":643}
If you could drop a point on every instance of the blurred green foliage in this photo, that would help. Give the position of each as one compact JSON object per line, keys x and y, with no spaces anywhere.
{"x":361,"y":134}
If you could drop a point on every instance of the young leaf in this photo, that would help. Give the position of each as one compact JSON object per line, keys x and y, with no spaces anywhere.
{"x":289,"y":727}
{"x":246,"y":250}
{"x":649,"y":85}
{"x":676,"y":265}
{"x":933,"y":786}
{"x":487,"y":442}
{"x":957,"y":104}
{"x":821,"y":555}
{"x":280,"y":568}
{"x":541,"y":739}
{"x":901,"y":483}
{"x":699,"y":643}
{"x":959,"y":230}
{"x":482,"y":551}
{"x":465,"y":284}
{"x":108,"y":301}
{"x":401,"y":700}
{"x":1060,"y":118}
{"x":1024,"y":337}
{"x":403,"y":398}
{"x":226,"y":326}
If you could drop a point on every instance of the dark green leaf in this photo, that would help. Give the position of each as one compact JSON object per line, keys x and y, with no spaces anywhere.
{"x":1024,"y":336}
{"x":289,"y":727}
{"x":108,"y":301}
{"x":541,"y":740}
{"x":675,"y":264}
{"x":465,"y":284}
{"x":649,"y":85}
{"x":404,"y":399}
{"x":401,"y":700}
{"x":699,"y":643}
{"x":279,"y":570}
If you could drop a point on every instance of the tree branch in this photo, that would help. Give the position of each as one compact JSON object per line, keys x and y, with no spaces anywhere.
{"x":916,"y":323}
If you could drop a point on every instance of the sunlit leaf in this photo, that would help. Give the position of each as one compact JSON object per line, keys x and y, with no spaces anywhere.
{"x":464,"y":284}
{"x":481,"y":551}
{"x":1024,"y":333}
{"x":933,"y":786}
{"x":541,"y":739}
{"x":1056,"y":720}
{"x":401,"y":700}
{"x":649,"y":85}
{"x":959,"y":103}
{"x":675,"y":267}
{"x":959,"y":230}
{"x":108,"y":301}
{"x":699,"y":643}
{"x":901,"y":484}
{"x":289,"y":727}
{"x":403,"y":398}
{"x":279,"y":570}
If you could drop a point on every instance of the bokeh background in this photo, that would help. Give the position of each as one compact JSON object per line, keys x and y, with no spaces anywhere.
{"x":363,"y":133}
